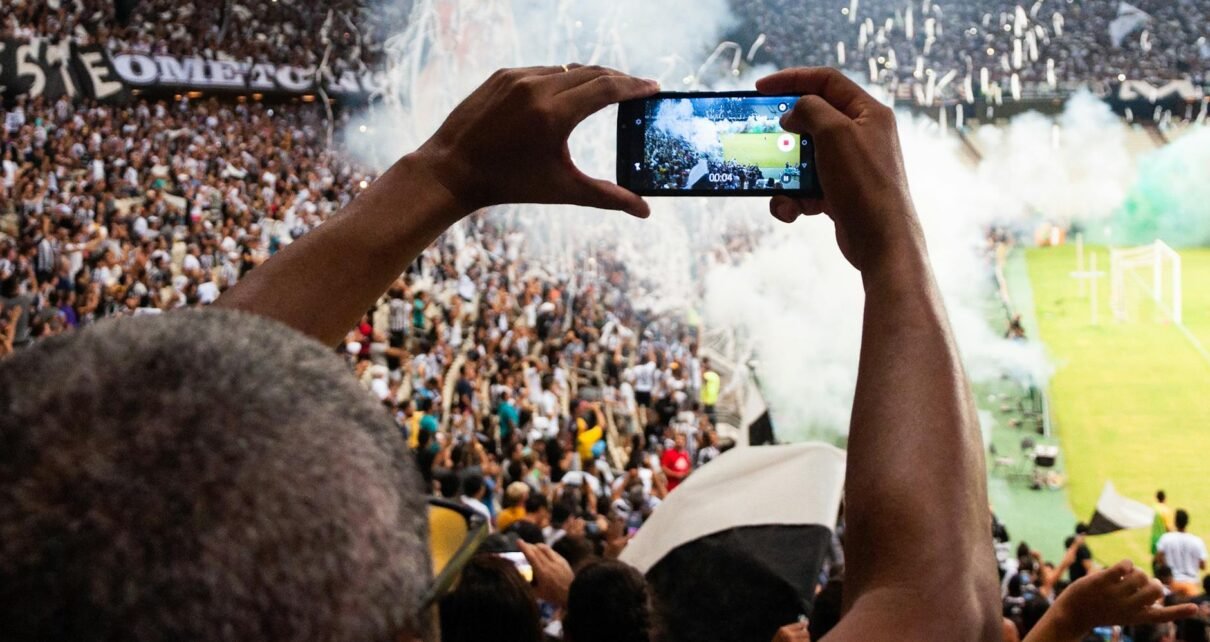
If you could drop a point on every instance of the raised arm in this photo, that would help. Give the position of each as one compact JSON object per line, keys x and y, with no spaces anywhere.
{"x":1121,"y":595}
{"x":506,"y":143}
{"x":918,"y":532}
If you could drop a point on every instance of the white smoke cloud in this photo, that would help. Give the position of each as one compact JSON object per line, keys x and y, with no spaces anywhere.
{"x":676,"y":118}
{"x":1075,"y":167}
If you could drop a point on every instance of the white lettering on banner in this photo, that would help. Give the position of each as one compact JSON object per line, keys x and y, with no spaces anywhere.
{"x":58,"y":55}
{"x":261,"y":76}
{"x":98,"y":74}
{"x":139,"y":69}
{"x":28,"y":66}
{"x":293,"y":78}
{"x":228,"y":73}
{"x":136,"y":69}
{"x":1135,"y":89}
{"x":183,"y":71}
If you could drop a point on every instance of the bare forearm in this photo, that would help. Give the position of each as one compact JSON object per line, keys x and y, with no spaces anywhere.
{"x":324,"y":282}
{"x":916,"y":471}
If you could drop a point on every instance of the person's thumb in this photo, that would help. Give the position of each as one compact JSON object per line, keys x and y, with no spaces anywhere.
{"x":812,"y":115}
{"x":594,"y":192}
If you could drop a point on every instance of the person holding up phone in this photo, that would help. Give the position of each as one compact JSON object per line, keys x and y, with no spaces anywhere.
{"x":321,"y":533}
{"x":917,"y":524}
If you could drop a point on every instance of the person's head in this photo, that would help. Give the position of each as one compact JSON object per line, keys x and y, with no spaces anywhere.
{"x":473,"y":486}
{"x":1164,"y":575}
{"x":1182,"y":519}
{"x":607,"y":602}
{"x":559,"y":514}
{"x":146,"y":497}
{"x":492,"y":603}
{"x":1024,"y":552}
{"x":576,"y":549}
{"x":1165,"y":632}
{"x":515,"y":494}
{"x":1081,"y":528}
{"x":527,"y":532}
{"x":679,"y":440}
{"x":537,"y":510}
{"x":706,"y":591}
{"x":448,"y":482}
{"x":1160,"y":496}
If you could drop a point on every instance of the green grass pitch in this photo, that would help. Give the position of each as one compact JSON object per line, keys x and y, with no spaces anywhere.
{"x":758,"y":149}
{"x":1130,"y":401}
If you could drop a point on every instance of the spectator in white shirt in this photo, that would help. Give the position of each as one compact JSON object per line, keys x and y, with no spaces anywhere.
{"x":1184,"y":553}
{"x":473,"y":491}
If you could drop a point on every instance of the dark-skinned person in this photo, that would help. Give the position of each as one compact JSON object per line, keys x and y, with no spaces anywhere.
{"x":210,"y":507}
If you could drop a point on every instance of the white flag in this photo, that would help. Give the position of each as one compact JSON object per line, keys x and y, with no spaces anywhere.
{"x":1115,"y":512}
{"x":696,"y":174}
{"x":794,"y":487}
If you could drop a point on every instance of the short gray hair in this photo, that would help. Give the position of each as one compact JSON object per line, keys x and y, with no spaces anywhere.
{"x":204,"y":475}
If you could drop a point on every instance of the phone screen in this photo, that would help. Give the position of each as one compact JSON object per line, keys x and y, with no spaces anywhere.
{"x":713,"y":144}
{"x":522,"y":564}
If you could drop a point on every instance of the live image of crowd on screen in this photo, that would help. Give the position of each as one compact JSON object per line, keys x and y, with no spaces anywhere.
{"x":719,"y":144}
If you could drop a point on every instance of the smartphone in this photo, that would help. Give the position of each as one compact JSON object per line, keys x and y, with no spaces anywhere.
{"x":522,"y":564}
{"x":713,"y":144}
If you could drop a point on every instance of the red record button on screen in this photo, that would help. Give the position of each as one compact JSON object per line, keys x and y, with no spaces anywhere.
{"x":785,"y":142}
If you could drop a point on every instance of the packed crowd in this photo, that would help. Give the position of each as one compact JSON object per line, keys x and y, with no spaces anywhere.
{"x":144,"y":208}
{"x":1046,"y":45}
{"x":490,"y":362}
{"x":1030,"y":584}
{"x":351,"y":32}
{"x":546,"y":403}
{"x":673,"y":161}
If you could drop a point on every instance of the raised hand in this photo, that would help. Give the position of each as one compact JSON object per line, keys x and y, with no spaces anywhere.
{"x":859,"y":162}
{"x":507,"y":142}
{"x":1120,"y":595}
{"x":552,"y":573}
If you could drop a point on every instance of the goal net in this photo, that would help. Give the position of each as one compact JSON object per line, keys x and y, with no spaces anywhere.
{"x":1145,"y":283}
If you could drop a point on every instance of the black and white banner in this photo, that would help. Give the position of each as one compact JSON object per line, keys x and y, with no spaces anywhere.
{"x":38,"y":67}
{"x":775,"y":506}
{"x":1115,"y":512}
{"x":196,"y":73}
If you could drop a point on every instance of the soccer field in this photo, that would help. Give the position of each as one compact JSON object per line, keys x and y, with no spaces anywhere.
{"x":1130,"y":401}
{"x":758,"y":149}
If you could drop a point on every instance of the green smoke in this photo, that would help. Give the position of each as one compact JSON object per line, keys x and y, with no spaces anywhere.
{"x":1171,"y":198}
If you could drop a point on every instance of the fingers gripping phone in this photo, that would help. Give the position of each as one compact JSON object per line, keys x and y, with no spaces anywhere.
{"x":713,"y":144}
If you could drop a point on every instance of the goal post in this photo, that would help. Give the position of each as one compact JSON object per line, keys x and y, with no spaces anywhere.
{"x":1128,"y":269}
